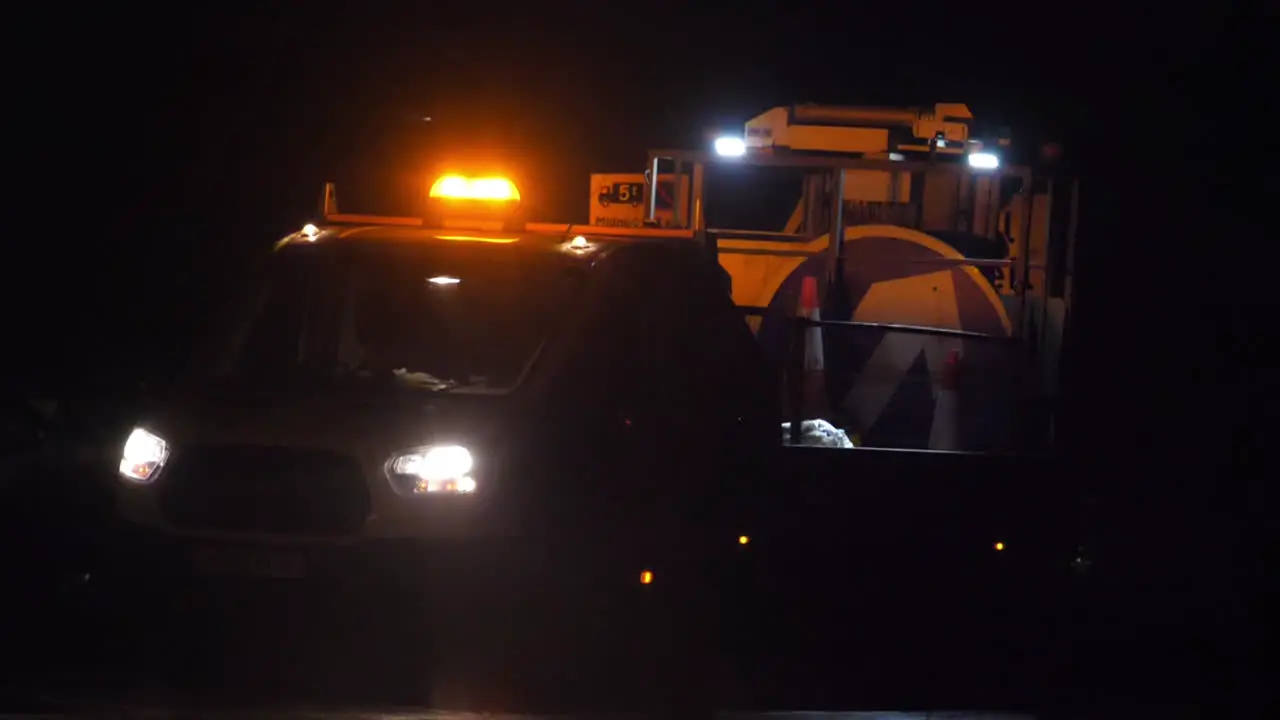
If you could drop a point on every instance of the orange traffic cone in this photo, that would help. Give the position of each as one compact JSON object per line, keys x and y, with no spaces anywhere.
{"x":815,"y":388}
{"x":329,"y":204}
{"x":944,"y":435}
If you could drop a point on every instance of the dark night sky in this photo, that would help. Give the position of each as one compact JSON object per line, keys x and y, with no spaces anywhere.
{"x":160,"y":146}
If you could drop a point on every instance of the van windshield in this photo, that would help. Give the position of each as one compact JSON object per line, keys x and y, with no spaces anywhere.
{"x":430,"y":317}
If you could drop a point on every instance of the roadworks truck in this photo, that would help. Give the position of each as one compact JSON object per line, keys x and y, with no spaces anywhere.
{"x":915,"y":529}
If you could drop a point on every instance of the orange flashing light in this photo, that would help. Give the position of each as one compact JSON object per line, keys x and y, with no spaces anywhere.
{"x":461,"y":187}
{"x":646,"y":577}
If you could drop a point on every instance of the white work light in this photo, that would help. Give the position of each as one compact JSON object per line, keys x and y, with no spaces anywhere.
{"x":730,"y":146}
{"x":983,"y":161}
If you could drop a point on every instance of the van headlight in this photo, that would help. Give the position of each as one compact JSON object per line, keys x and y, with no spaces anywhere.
{"x":143,"y":456}
{"x":437,"y":469}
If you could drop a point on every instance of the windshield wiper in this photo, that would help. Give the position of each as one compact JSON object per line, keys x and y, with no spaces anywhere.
{"x":431,"y":383}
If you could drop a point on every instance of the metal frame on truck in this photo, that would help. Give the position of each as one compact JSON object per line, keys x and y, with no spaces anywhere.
{"x":1037,"y":272}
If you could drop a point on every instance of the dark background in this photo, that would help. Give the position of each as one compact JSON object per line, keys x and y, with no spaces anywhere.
{"x":156,"y":149}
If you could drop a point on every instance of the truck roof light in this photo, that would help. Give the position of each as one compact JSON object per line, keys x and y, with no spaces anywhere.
{"x":485,"y":189}
{"x":984,"y":161}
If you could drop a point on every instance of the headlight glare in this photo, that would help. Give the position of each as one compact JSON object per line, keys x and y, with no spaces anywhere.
{"x":439,"y":469}
{"x":143,"y":456}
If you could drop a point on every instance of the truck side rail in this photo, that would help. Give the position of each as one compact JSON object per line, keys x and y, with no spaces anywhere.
{"x":607,"y":231}
{"x":356,"y":219}
{"x":803,"y":322}
{"x":794,"y":374}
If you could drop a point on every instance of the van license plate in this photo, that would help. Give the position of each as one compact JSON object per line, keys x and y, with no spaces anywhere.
{"x":251,"y":562}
